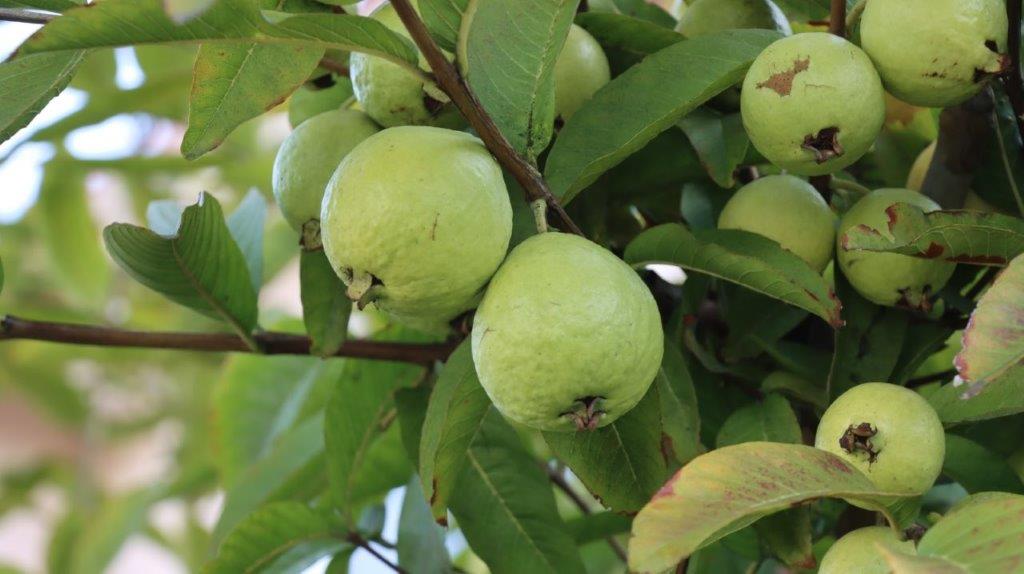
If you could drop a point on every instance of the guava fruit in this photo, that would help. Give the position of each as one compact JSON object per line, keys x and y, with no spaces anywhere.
{"x":788,"y":210}
{"x":890,"y":278}
{"x":888,"y":432}
{"x":568,"y":337}
{"x":391,"y":94}
{"x":580,"y":70}
{"x":858,"y":552}
{"x":710,"y":16}
{"x":416,"y":220}
{"x":812,"y":103}
{"x":935,"y":53}
{"x":918,"y":171}
{"x":310,"y":100}
{"x":308,"y":157}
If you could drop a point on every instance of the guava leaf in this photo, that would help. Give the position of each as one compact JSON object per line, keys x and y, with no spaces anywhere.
{"x":107,"y":530}
{"x":730,"y":488}
{"x":646,"y":100}
{"x":680,"y":417}
{"x":631,"y":35}
{"x":999,"y":177}
{"x":622,"y":464}
{"x":411,"y":407}
{"x":325,"y":307}
{"x":590,"y":527}
{"x":720,"y":141}
{"x":771,"y":420}
{"x":28,"y":84}
{"x":754,"y":321}
{"x":747,"y":259}
{"x":795,"y":386}
{"x":959,"y":236}
{"x":923,"y":339}
{"x":200,"y":267}
{"x":47,"y":5}
{"x":184,"y":10}
{"x":512,"y":68}
{"x":638,"y":9}
{"x":788,"y":535}
{"x":443,"y":19}
{"x":236,"y":82}
{"x":420,"y":542}
{"x":246,"y":226}
{"x":977,"y":468}
{"x":954,"y":405}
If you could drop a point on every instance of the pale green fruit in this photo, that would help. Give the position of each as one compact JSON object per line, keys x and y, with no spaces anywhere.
{"x":812,"y":103}
{"x":308,"y":157}
{"x":580,"y":70}
{"x":890,"y":278}
{"x":710,"y":16}
{"x":567,"y":337}
{"x":858,"y":552}
{"x":788,"y":210}
{"x":909,"y":443}
{"x":416,"y":219}
{"x":308,"y":101}
{"x":935,"y":53}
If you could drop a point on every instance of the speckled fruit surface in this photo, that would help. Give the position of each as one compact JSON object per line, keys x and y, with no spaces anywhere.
{"x":858,"y":552}
{"x":580,"y":70}
{"x":710,"y":16}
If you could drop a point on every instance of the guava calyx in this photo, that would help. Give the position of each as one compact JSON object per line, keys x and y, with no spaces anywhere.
{"x":310,"y":238}
{"x":916,"y":299}
{"x":586,"y":413}
{"x":857,"y":438}
{"x":824,"y":144}
{"x":363,"y":287}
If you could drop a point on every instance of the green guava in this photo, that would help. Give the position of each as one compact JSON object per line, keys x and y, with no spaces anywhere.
{"x":308,"y":157}
{"x":391,"y":94}
{"x":580,"y":70}
{"x":918,"y":171}
{"x":309,"y":101}
{"x":935,"y":53}
{"x":812,"y":103}
{"x":888,"y":432}
{"x":567,"y":337}
{"x":710,"y":16}
{"x":788,"y":210}
{"x":858,"y":552}
{"x":416,"y":220}
{"x":890,"y":278}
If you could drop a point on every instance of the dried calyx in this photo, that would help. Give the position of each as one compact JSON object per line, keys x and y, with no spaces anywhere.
{"x":857,"y":438}
{"x":363,"y":287}
{"x":824,"y":144}
{"x":586,"y":413}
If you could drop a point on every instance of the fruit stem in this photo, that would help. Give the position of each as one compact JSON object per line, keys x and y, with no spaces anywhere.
{"x":310,"y":240}
{"x":540,"y":214}
{"x":854,"y":15}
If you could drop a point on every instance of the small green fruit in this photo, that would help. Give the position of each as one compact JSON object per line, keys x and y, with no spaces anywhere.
{"x":580,"y":70}
{"x":308,"y":157}
{"x":812,"y":103}
{"x":788,"y":210}
{"x":309,"y":101}
{"x":567,"y":337}
{"x":858,"y":552}
{"x":890,"y":278}
{"x":935,"y":53}
{"x":710,"y":16}
{"x":888,"y":432}
{"x":417,"y":219}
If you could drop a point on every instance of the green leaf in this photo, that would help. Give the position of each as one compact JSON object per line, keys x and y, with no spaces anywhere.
{"x":636,"y":9}
{"x":954,"y":405}
{"x":385,"y":466}
{"x":730,"y":488}
{"x":622,"y":464}
{"x":28,"y":84}
{"x":279,"y":537}
{"x":105,"y":532}
{"x":788,"y":535}
{"x":647,"y":99}
{"x":233,"y":83}
{"x":511,"y":68}
{"x":958,"y":236}
{"x":1000,"y":176}
{"x":455,"y":412}
{"x":411,"y":405}
{"x":747,"y":259}
{"x":795,"y":386}
{"x":443,"y":19}
{"x":246,"y":227}
{"x":420,"y":540}
{"x":506,"y":508}
{"x":184,"y":10}
{"x":626,"y":33}
{"x":720,"y":141}
{"x":47,"y":5}
{"x":325,"y":307}
{"x":977,"y":468}
{"x":755,"y":322}
{"x":590,"y":527}
{"x":201,"y":267}
{"x":771,"y":420}
{"x":680,"y":417}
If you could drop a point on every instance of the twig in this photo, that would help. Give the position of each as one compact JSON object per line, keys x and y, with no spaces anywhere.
{"x":1012,"y":79}
{"x":25,"y":16}
{"x":453,"y":84}
{"x":854,"y":14}
{"x":837,"y":18}
{"x":271,"y":343}
{"x":932,"y":378}
{"x":334,"y":66}
{"x":362,"y":543}
{"x":558,"y":479}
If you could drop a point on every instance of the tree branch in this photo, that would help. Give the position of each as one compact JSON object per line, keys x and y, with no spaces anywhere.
{"x":1012,"y":79}
{"x":362,"y":543}
{"x":837,"y":18}
{"x":559,"y":480}
{"x":271,"y":343}
{"x":25,"y":16}
{"x":453,"y":84}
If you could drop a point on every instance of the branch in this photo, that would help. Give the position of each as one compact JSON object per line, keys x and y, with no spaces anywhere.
{"x":334,"y":66}
{"x":271,"y":343}
{"x":453,"y":84}
{"x":559,"y":480}
{"x":1012,"y":78}
{"x":25,"y":16}
{"x":362,"y":543}
{"x":837,"y":18}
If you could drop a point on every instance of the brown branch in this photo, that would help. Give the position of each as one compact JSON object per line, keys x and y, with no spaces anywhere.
{"x":837,"y":18}
{"x":1012,"y":79}
{"x":271,"y":343}
{"x":559,"y":480}
{"x":362,"y":543}
{"x":453,"y":84}
{"x":25,"y":16}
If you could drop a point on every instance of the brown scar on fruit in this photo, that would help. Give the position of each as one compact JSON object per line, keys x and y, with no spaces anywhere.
{"x":782,"y":82}
{"x":857,"y":438}
{"x":824,"y":144}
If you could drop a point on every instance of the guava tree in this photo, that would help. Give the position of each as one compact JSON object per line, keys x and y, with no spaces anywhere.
{"x":481,"y":203}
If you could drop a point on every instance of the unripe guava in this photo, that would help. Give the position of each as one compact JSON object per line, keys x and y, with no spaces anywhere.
{"x":890,"y":278}
{"x":580,"y":70}
{"x":309,"y":101}
{"x":812,"y":103}
{"x":416,"y":219}
{"x":308,"y":157}
{"x":788,"y":210}
{"x":888,"y":432}
{"x":935,"y":53}
{"x":567,"y":337}
{"x":710,"y":16}
{"x":858,"y":552}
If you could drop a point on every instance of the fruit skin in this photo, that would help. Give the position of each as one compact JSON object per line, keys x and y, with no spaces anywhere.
{"x":710,"y":16}
{"x":580,"y":70}
{"x":308,"y":157}
{"x":804,"y":90}
{"x":425,"y":211}
{"x":927,"y":51}
{"x":788,"y":210}
{"x":909,"y":441}
{"x":564,"y":320}
{"x":890,"y":278}
{"x":307,"y":102}
{"x":858,"y":552}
